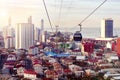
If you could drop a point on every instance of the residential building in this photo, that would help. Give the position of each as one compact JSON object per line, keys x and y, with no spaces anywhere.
{"x":9,"y":36}
{"x":30,"y":74}
{"x":107,"y":28}
{"x":24,"y":35}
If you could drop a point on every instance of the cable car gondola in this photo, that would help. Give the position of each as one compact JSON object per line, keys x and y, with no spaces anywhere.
{"x":77,"y":36}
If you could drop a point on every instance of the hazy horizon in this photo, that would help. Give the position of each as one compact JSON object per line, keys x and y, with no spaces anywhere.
{"x":70,"y":14}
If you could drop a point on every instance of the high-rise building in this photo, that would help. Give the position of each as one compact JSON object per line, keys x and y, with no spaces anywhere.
{"x":107,"y":28}
{"x":30,"y":19}
{"x":37,"y":34}
{"x":1,"y":40}
{"x":42,"y":33}
{"x":9,"y":36}
{"x":24,"y":35}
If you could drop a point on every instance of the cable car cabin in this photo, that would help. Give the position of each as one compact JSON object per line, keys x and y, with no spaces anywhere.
{"x":77,"y":36}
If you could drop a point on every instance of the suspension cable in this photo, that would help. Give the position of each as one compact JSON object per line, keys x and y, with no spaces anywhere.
{"x":69,"y":8}
{"x":48,"y":15}
{"x":59,"y":16}
{"x":91,"y":13}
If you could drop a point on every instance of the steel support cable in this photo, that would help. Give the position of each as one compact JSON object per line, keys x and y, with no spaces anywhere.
{"x":89,"y":15}
{"x":55,"y":12}
{"x":59,"y":16}
{"x":48,"y":15}
{"x":69,"y":7}
{"x":92,"y":12}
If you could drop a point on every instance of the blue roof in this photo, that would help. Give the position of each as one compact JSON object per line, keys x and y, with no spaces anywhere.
{"x":50,"y":53}
{"x":56,"y":55}
{"x":62,"y":55}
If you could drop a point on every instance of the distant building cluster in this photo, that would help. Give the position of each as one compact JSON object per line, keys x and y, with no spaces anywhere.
{"x":30,"y":53}
{"x":23,"y":35}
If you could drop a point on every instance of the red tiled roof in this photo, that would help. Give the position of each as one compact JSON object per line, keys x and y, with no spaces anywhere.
{"x":67,"y":70}
{"x":30,"y":55}
{"x":46,"y":79}
{"x":20,"y":65}
{"x":9,"y":62}
{"x":76,"y":50}
{"x":31,"y":47}
{"x":93,"y":60}
{"x":30,"y":72}
{"x":12,"y":53}
{"x":10,"y":56}
{"x":36,"y":63}
{"x":99,"y":54}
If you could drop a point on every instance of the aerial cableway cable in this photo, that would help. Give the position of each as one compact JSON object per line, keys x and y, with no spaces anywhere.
{"x":47,"y":14}
{"x":59,"y":16}
{"x":69,"y":8}
{"x":55,"y":21}
{"x":91,"y":13}
{"x":60,"y":10}
{"x":78,"y":36}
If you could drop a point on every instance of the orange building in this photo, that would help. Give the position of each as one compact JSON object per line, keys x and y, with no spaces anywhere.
{"x":118,"y":47}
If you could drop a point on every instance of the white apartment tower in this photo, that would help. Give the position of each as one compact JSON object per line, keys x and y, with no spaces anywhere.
{"x":9,"y":36}
{"x":42,"y":33}
{"x":107,"y":28}
{"x":24,"y":35}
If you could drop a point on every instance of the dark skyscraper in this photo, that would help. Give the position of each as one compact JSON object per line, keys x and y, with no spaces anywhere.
{"x":107,"y":28}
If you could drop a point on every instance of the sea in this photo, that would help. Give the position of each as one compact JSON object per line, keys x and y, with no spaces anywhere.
{"x":94,"y":32}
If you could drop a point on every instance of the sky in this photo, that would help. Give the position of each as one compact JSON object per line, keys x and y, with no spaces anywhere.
{"x":65,"y":13}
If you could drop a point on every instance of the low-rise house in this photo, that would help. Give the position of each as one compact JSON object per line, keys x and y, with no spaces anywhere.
{"x":11,"y":57}
{"x":109,"y":75}
{"x":67,"y":72}
{"x":38,"y":68}
{"x":8,"y":67}
{"x":79,"y":73}
{"x":20,"y":70}
{"x":80,"y":57}
{"x":30,"y":74}
{"x":5,"y":71}
{"x":51,"y":74}
{"x":74,"y":68}
{"x":113,"y":58}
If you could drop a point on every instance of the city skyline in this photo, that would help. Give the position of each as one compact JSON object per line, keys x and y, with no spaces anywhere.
{"x":69,"y":15}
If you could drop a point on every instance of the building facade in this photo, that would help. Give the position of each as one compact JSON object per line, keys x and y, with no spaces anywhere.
{"x":24,"y":35}
{"x":118,"y":47}
{"x":107,"y":28}
{"x":42,"y":32}
{"x":9,"y":37}
{"x":37,"y":34}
